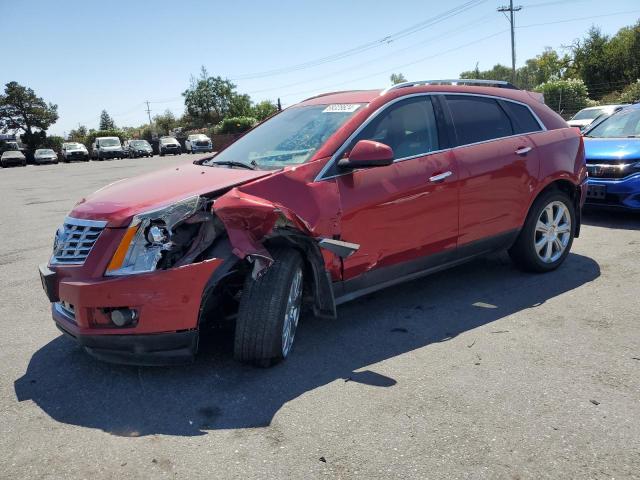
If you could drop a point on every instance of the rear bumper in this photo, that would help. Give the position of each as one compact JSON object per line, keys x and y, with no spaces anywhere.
{"x":624,"y":194}
{"x":152,"y":350}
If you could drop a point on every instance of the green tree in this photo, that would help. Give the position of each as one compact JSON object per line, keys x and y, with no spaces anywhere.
{"x":397,"y":78}
{"x":106,"y":122}
{"x":78,"y":135}
{"x":165,"y":122}
{"x":565,"y":96}
{"x":208,"y":99}
{"x":264,"y":109}
{"x":22,"y":109}
{"x":498,"y":72}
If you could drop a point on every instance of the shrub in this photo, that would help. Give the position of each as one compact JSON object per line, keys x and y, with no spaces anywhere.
{"x":235,"y":125}
{"x":631,"y":93}
{"x":565,"y":96}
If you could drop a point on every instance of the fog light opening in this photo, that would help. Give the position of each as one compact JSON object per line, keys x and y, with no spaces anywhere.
{"x":123,"y":317}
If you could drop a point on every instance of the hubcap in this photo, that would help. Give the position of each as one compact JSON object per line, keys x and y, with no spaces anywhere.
{"x":553,"y":232}
{"x":292,"y":313}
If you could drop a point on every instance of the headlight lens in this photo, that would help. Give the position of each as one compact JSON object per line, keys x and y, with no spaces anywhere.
{"x":148,"y":236}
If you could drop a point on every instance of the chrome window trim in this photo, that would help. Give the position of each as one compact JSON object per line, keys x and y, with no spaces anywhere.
{"x":320,"y":176}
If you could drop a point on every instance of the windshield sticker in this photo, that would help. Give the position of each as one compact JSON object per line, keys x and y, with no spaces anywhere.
{"x":341,"y":108}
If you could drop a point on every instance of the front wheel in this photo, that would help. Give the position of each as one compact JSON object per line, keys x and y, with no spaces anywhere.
{"x":269,"y":311}
{"x":546,"y":238}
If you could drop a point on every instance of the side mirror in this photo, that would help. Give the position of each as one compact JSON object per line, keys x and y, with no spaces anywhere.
{"x":368,"y":153}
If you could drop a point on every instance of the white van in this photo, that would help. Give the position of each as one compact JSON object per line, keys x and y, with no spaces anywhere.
{"x":106,"y":147}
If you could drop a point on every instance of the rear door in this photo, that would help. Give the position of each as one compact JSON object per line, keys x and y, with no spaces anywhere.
{"x":406,"y":211}
{"x":498,"y":164}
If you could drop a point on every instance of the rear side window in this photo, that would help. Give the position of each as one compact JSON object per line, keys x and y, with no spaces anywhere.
{"x":408,"y":127}
{"x":477,"y":119}
{"x":523,"y":119}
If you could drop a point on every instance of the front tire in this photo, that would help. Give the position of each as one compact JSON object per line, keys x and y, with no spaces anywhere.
{"x":546,"y":238}
{"x":269,"y":311}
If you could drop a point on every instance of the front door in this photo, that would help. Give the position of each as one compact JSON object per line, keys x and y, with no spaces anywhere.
{"x":401,"y":213}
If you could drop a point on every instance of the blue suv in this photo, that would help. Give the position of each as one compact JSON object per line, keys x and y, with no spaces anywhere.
{"x":612,"y":150}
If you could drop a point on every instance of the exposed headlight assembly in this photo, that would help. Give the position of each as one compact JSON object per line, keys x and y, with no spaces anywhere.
{"x":165,"y":237}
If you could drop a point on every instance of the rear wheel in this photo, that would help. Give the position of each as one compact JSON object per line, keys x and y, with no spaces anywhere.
{"x":269,"y":311}
{"x":547,"y":235}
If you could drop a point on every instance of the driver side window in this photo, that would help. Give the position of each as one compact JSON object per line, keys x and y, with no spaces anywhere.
{"x":408,"y":127}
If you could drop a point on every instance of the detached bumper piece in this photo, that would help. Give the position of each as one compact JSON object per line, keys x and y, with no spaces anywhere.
{"x":156,"y":349}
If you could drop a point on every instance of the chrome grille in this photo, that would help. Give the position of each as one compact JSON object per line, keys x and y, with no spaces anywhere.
{"x":611,"y":170}
{"x":74,"y":240}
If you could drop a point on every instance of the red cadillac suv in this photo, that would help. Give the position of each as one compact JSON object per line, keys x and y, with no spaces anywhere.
{"x":335,"y":197}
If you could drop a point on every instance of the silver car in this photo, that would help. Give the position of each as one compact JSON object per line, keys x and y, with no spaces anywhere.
{"x":45,"y":155}
{"x":13,"y":157}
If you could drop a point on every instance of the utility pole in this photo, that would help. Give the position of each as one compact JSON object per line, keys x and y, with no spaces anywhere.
{"x":148,"y":112}
{"x":511,"y":9}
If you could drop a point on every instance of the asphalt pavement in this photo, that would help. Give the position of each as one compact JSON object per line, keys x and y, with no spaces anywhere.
{"x":477,"y":372}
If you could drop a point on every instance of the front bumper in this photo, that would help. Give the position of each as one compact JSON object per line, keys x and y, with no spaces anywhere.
{"x":623,"y":193}
{"x":175,"y":348}
{"x":111,"y":154}
{"x":167,"y":303}
{"x":206,"y":148}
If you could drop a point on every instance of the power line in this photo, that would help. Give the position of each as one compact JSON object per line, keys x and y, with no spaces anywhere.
{"x":367,"y":46}
{"x":578,"y":19}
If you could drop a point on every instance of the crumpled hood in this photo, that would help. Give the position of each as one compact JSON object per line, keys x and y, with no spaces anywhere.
{"x":118,"y":202}
{"x":612,"y":149}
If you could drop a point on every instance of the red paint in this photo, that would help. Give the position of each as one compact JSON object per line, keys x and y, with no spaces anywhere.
{"x":367,"y":153}
{"x":393,"y":212}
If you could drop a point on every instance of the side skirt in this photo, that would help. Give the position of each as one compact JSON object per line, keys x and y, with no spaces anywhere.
{"x":384,"y":277}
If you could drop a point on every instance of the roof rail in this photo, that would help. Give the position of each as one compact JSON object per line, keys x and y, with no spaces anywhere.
{"x":454,"y":81}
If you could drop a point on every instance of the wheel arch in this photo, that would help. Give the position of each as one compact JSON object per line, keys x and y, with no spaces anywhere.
{"x":572,"y":190}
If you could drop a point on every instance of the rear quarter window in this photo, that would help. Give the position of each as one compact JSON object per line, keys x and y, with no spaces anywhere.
{"x":478,"y":119}
{"x":523,"y":119}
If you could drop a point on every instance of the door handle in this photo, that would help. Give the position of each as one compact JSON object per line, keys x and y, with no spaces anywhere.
{"x":523,"y":150}
{"x":440,"y":177}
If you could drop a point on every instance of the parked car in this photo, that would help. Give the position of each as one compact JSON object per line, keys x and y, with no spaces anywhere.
{"x":45,"y":155}
{"x":198,"y":142}
{"x":169,"y":145}
{"x":138,"y":148}
{"x":107,"y":147}
{"x":586,"y":116}
{"x":613,"y":160}
{"x":74,"y":151}
{"x":13,"y":157}
{"x":336,"y":197}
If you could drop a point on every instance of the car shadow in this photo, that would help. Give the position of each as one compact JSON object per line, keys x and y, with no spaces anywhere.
{"x":611,"y":218}
{"x":218,"y":393}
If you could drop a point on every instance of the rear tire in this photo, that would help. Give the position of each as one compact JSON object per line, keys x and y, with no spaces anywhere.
{"x":269,"y":311}
{"x":546,"y":238}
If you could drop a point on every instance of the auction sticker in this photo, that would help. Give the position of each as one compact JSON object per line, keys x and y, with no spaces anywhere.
{"x":341,"y":108}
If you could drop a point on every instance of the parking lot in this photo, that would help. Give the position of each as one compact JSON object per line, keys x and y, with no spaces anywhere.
{"x":477,"y":372}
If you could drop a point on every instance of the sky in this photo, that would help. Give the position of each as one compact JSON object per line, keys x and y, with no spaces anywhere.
{"x":87,"y":56}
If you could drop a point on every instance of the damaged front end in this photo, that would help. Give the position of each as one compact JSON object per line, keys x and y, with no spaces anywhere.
{"x":168,"y":237}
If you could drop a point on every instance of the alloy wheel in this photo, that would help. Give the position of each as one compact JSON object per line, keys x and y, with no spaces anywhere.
{"x":292,"y":313}
{"x":553,"y":232}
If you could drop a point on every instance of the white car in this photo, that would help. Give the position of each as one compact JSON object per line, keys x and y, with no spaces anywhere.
{"x":74,"y":151}
{"x":13,"y":157}
{"x":198,"y":142}
{"x":586,"y":116}
{"x":45,"y":155}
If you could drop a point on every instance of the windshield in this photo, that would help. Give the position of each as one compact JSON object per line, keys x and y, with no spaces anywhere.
{"x":109,"y":142}
{"x":198,"y":137}
{"x":625,"y":123}
{"x":72,"y":146}
{"x":289,"y":138}
{"x":44,"y":151}
{"x":168,"y":140}
{"x":140,"y":143}
{"x":589,"y":114}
